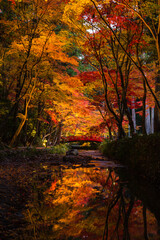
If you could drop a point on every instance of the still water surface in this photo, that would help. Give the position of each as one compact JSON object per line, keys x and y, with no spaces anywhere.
{"x":94,"y":202}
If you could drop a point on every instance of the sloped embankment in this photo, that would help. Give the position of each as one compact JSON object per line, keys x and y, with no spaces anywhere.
{"x":141,"y":154}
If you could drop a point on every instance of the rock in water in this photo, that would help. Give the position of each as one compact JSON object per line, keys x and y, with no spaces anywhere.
{"x":72,"y":152}
{"x":70,"y":155}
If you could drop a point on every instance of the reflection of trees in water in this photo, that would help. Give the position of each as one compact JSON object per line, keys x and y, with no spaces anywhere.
{"x":125,"y":205}
{"x":149,"y":194}
{"x":123,"y":214}
{"x":77,"y":199}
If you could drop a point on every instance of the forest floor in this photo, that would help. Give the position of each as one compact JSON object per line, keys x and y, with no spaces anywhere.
{"x":16,"y":184}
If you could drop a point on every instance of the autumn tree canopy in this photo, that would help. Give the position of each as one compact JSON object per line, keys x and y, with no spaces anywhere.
{"x":113,"y":41}
{"x":73,"y":67}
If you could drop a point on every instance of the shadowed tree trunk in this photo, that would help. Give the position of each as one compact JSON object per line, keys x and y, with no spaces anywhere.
{"x":157,"y":111}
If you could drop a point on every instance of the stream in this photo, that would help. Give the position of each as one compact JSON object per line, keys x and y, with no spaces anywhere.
{"x":91,"y":201}
{"x":84,"y":197}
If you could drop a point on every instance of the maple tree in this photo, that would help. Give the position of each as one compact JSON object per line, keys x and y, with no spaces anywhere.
{"x":94,"y":91}
{"x":120,"y":34}
{"x":86,"y":63}
{"x":102,"y":50}
{"x":149,"y":14}
{"x":36,"y":58}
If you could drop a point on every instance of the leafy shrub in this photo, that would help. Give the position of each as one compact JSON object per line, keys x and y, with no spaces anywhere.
{"x":103,"y":147}
{"x":37,"y":142}
{"x":59,"y":149}
{"x":141,"y":153}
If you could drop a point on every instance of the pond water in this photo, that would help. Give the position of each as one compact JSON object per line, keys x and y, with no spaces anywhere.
{"x":95,"y":201}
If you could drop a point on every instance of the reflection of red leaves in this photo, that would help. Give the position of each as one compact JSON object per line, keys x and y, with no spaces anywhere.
{"x":138,"y":203}
{"x":83,"y":201}
{"x":83,"y":196}
{"x":52,"y":187}
{"x":12,"y":1}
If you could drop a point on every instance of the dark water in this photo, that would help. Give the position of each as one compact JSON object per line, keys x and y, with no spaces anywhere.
{"x":96,"y":201}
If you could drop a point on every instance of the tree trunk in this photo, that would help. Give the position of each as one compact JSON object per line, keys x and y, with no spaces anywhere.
{"x":121,"y":132}
{"x":59,"y":133}
{"x":23,"y":118}
{"x":144,"y":108}
{"x":157,"y":112}
{"x":152,"y":120}
{"x":134,"y":119}
{"x":148,"y":120}
{"x":110,"y":133}
{"x":134,"y":114}
{"x":157,"y":80}
{"x":131,"y":124}
{"x":38,"y":126}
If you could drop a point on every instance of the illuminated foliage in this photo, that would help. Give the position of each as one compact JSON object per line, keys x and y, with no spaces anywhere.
{"x":113,"y":43}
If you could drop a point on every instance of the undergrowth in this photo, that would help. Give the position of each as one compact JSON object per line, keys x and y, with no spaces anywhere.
{"x":141,"y":153}
{"x":59,"y":149}
{"x":32,"y":151}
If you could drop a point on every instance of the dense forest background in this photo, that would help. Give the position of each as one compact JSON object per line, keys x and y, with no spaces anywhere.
{"x":78,"y":68}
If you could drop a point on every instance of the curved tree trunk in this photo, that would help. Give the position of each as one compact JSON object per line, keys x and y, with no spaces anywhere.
{"x":23,"y":117}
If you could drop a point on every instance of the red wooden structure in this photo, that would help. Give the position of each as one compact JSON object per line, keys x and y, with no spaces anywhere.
{"x":82,"y":139}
